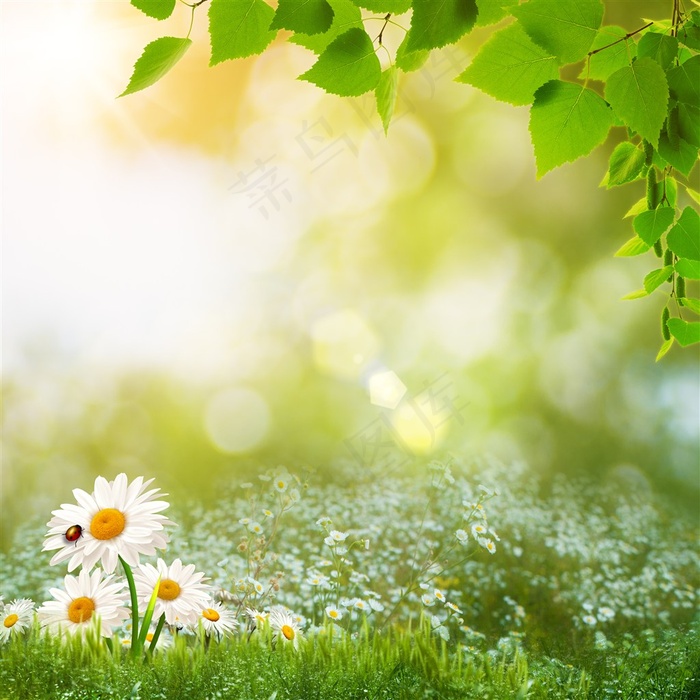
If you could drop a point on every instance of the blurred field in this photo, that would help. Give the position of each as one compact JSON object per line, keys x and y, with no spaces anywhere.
{"x":232,"y":269}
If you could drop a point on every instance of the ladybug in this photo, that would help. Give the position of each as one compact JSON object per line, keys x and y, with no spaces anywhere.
{"x":74,"y":533}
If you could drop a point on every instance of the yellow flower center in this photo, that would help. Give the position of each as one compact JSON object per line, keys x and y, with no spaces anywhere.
{"x":168,"y":589}
{"x":210,"y":614}
{"x":149,"y":637}
{"x":281,"y":484}
{"x":288,"y":632}
{"x":10,"y":620}
{"x":81,"y":609}
{"x":107,"y":523}
{"x":333,"y":614}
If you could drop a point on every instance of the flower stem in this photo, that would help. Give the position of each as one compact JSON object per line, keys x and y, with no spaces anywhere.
{"x":156,"y":634}
{"x":134,"y":607}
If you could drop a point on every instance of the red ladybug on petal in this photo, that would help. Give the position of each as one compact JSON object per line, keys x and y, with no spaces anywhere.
{"x":74,"y":533}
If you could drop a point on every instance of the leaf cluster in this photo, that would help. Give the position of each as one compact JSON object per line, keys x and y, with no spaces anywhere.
{"x":645,"y":82}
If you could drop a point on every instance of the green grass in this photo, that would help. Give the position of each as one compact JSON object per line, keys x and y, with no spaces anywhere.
{"x":397,"y":666}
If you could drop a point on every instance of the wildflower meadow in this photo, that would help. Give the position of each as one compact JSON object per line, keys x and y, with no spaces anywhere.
{"x":350,"y":350}
{"x":462,"y":585}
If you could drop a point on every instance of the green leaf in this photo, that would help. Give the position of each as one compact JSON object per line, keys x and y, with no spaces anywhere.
{"x":626,"y":164}
{"x":651,"y":225}
{"x":565,"y":28}
{"x":637,"y":294}
{"x":637,"y":208}
{"x":684,"y":238}
{"x":693,"y":194}
{"x":510,"y":67}
{"x":682,"y":156}
{"x":346,"y":15}
{"x":239,"y":28}
{"x":660,"y":47}
{"x":603,"y":64}
{"x":684,"y":82}
{"x":148,"y":616}
{"x":567,"y":121}
{"x":492,"y":11}
{"x":692,"y":304}
{"x":690,"y":269}
{"x":386,"y":92}
{"x":436,"y":23}
{"x":639,"y":96}
{"x":685,"y":333}
{"x":689,"y":34}
{"x":348,"y":67}
{"x":159,"y":9}
{"x":635,"y":246}
{"x":408,"y":61}
{"x":305,"y":16}
{"x":664,"y":348}
{"x":155,"y":61}
{"x":656,"y":278}
{"x":395,"y":7}
{"x":689,"y":123}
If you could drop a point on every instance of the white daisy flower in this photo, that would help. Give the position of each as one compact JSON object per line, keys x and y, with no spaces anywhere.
{"x":267,"y":513}
{"x":589,"y":620}
{"x":335,"y":536}
{"x":427,"y":599}
{"x":257,"y":617}
{"x":16,"y":618}
{"x":359,"y":604}
{"x":462,"y":536}
{"x":285,"y":628}
{"x":281,"y":483}
{"x":86,"y":599}
{"x":257,"y":586}
{"x":181,"y":594}
{"x":334,"y":613}
{"x":324,"y":521}
{"x":453,"y":607}
{"x":255,"y":528}
{"x":439,"y":595}
{"x":375,"y":605}
{"x":117,"y":519}
{"x":606,"y":613}
{"x":244,"y":521}
{"x":478,"y":530}
{"x":217,"y":621}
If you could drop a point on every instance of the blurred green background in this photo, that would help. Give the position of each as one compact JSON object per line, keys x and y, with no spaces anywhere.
{"x":233,"y":269}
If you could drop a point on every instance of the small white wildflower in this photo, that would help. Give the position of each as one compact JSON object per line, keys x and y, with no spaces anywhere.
{"x":589,"y":620}
{"x":606,"y":613}
{"x":375,"y":605}
{"x":453,"y":607}
{"x":427,"y":599}
{"x":244,"y":521}
{"x":478,"y":530}
{"x":324,"y":521}
{"x":333,"y":613}
{"x":255,"y":528}
{"x":281,"y":483}
{"x":267,"y":513}
{"x":439,"y":595}
{"x":462,"y":536}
